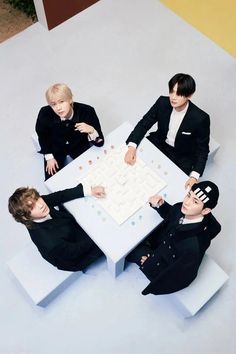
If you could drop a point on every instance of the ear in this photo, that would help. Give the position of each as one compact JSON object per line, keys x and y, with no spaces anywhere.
{"x":206,"y":211}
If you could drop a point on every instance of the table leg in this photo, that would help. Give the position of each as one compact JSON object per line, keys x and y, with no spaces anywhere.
{"x":115,"y":268}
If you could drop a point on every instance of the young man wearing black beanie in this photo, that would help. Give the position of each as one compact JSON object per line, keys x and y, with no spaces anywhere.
{"x":171,"y":256}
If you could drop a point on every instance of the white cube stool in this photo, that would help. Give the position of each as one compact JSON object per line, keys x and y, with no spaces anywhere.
{"x":41,"y":280}
{"x":209,"y":280}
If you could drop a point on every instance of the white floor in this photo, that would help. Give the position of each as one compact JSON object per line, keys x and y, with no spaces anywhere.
{"x":117,"y":56}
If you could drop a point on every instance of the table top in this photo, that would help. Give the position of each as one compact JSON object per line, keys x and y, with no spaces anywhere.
{"x":115,"y":240}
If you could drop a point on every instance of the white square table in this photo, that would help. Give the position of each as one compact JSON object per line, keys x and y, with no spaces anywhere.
{"x":116,"y":241}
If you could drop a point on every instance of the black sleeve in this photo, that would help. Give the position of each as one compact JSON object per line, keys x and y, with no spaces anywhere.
{"x":202,"y":144}
{"x":64,"y":196}
{"x":163,"y":210}
{"x":67,"y":251}
{"x":96,"y":124}
{"x":91,"y":118}
{"x":44,"y":130}
{"x":148,"y":120}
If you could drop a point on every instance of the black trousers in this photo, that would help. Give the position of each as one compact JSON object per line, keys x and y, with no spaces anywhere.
{"x":62,"y":157}
{"x":185,"y":163}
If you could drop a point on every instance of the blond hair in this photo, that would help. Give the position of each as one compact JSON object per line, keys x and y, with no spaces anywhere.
{"x":59,"y":91}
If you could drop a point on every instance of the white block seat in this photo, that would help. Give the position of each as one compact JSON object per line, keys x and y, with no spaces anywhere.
{"x":41,"y":280}
{"x":209,"y":280}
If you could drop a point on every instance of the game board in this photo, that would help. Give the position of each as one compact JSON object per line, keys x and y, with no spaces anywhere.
{"x":127,"y":187}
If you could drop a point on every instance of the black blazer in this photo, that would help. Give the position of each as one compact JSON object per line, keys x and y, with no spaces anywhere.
{"x":179,"y":251}
{"x":192,"y":138}
{"x":60,"y":240}
{"x":53,"y":135}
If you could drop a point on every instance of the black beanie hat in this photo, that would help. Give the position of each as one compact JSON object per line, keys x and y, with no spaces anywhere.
{"x":207,"y":192}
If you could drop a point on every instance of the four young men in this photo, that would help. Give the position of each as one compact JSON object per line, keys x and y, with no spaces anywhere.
{"x":171,"y":256}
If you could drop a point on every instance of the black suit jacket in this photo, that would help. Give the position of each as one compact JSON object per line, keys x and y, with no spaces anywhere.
{"x":53,"y":135}
{"x":175,"y":261}
{"x":60,"y":240}
{"x":192,"y":139}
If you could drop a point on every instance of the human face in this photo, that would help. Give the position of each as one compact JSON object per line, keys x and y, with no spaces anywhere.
{"x":62,"y":107}
{"x":192,"y":206}
{"x":40,"y":210}
{"x":176,"y":101}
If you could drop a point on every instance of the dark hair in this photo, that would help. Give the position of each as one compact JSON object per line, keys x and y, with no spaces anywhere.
{"x":186,"y":84}
{"x":208,"y":192}
{"x":21,"y":203}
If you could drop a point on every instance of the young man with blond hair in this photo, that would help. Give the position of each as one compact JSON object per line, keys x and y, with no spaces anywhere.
{"x":65,"y":128}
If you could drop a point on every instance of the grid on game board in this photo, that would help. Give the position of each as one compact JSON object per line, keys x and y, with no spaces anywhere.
{"x":127,"y":187}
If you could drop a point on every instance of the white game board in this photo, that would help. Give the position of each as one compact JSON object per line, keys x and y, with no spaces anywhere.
{"x":127,"y":187}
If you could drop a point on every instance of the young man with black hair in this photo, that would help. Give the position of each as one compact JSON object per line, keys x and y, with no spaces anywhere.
{"x":183,"y":129}
{"x":171,"y":255}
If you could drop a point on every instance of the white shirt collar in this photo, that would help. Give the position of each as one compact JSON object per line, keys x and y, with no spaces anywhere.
{"x":192,"y":221}
{"x":71,"y":116}
{"x":183,"y":112}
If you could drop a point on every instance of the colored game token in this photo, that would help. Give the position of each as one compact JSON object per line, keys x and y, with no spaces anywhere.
{"x":80,"y":167}
{"x":98,"y":157}
{"x":90,"y":162}
{"x":112,"y":147}
{"x":105,"y":151}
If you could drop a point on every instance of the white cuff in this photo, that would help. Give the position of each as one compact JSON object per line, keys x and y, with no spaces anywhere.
{"x":48,"y":157}
{"x":93,"y":136}
{"x":87,"y":190}
{"x":195,"y":175}
{"x":132,"y":145}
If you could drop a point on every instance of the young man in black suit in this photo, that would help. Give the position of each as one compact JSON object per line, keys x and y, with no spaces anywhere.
{"x":172,"y":254}
{"x":65,"y":128}
{"x":183,"y":129}
{"x":57,"y":235}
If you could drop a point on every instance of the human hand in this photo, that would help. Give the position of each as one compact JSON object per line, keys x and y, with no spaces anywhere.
{"x":52,"y":166}
{"x":190,"y":182}
{"x":130,"y":156}
{"x":84,"y":128}
{"x":156,"y":200}
{"x":144,"y":258}
{"x":98,"y":192}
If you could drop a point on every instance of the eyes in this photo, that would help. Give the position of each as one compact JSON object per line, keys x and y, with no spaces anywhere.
{"x":172,"y":92}
{"x":53,"y":104}
{"x":195,"y":200}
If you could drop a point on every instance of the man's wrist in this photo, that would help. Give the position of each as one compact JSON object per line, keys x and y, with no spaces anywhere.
{"x":132,"y":145}
{"x":195,"y":175}
{"x":48,"y":157}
